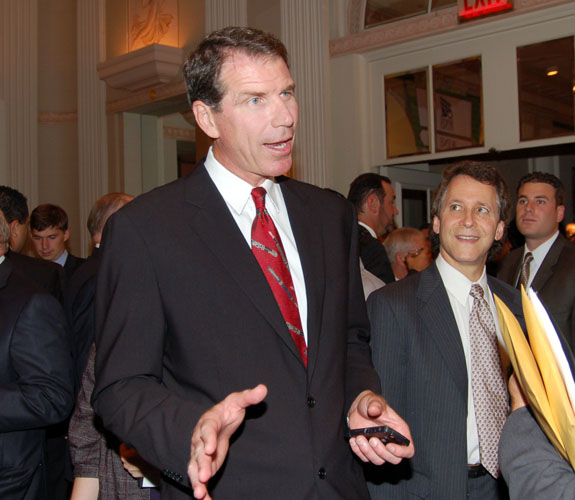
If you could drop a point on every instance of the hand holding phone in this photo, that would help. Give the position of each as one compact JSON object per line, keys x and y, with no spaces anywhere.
{"x":384,"y":432}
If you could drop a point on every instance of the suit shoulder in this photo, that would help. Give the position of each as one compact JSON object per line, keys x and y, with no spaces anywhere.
{"x":304,"y":189}
{"x":399,"y":292}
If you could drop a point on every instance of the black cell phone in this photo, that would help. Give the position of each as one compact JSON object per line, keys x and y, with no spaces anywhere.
{"x":385,"y":433}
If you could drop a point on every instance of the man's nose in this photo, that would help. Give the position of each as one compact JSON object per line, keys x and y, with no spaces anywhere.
{"x":285,"y":114}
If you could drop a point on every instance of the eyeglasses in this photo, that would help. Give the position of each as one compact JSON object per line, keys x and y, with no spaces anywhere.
{"x":416,"y":253}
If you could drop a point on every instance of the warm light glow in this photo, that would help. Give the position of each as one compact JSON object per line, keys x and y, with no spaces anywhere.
{"x":552,"y":71}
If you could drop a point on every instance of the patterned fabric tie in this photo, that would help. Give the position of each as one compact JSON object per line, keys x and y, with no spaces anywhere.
{"x":525,"y":268}
{"x":487,"y":383}
{"x":269,"y":252}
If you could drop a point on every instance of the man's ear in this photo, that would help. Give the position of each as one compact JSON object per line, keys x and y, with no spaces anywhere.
{"x":400,"y":258}
{"x":372,"y":203}
{"x":500,"y":230}
{"x":560,"y":213}
{"x":66,"y":235}
{"x":204,"y":115}
{"x":436,"y":224}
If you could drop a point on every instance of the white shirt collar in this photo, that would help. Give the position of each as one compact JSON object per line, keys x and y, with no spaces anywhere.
{"x":62,"y":258}
{"x":371,"y":231}
{"x":236,"y":191}
{"x":457,"y":283}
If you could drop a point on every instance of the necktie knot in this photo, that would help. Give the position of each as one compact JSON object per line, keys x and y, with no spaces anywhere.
{"x":476,"y":291}
{"x":259,"y":197}
{"x":525,"y":270}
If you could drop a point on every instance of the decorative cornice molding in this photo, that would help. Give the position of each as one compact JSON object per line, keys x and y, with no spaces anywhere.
{"x":152,"y":65}
{"x":145,"y":97}
{"x":418,"y":27}
{"x":53,"y":117}
{"x":184,"y":134}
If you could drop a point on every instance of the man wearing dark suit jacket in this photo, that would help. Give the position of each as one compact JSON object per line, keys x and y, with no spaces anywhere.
{"x":373,"y":197}
{"x":46,"y":274}
{"x":50,"y":232}
{"x":36,"y":386}
{"x":539,"y":210}
{"x":82,"y":286}
{"x":422,"y":344}
{"x":187,"y":321}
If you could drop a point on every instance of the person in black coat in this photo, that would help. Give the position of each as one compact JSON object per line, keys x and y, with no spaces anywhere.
{"x":36,"y":381}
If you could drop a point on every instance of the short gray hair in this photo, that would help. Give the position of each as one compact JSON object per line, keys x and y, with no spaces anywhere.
{"x":400,"y":241}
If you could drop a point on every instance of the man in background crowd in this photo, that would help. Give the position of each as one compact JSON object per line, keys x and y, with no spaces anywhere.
{"x":547,"y":260}
{"x":373,"y":197}
{"x":408,"y":250}
{"x":49,"y":230}
{"x":36,"y":382}
{"x":435,"y":343}
{"x":46,"y":274}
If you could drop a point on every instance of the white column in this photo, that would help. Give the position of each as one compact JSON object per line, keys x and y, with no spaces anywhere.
{"x":19,"y":91}
{"x":305,"y":34}
{"x":222,"y":13}
{"x":92,"y":136}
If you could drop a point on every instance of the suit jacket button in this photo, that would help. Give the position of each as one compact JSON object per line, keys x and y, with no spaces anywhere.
{"x":311,"y":401}
{"x":321,"y":473}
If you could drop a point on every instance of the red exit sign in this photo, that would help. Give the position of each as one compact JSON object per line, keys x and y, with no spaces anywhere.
{"x":470,"y":9}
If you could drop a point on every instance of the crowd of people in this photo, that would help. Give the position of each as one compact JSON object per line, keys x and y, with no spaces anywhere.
{"x":231,"y":328}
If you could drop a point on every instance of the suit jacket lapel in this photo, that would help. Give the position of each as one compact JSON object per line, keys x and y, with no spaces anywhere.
{"x":5,"y":270}
{"x":308,"y":236}
{"x":548,"y":265}
{"x":210,"y":219}
{"x":436,"y":313}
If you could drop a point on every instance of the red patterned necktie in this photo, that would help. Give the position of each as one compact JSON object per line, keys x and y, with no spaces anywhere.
{"x":269,"y":252}
{"x":487,"y":383}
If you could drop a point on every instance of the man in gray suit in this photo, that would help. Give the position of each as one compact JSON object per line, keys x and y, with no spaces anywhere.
{"x":549,"y":257}
{"x":424,"y":331}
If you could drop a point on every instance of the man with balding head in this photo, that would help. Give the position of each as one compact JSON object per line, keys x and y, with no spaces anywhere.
{"x":408,"y":250}
{"x":82,"y":285}
{"x":36,"y":386}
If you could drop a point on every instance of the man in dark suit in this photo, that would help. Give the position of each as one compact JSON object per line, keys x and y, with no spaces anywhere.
{"x":50,"y":232}
{"x":36,"y":387}
{"x":424,"y":333}
{"x":549,"y":257}
{"x":373,"y":197}
{"x":46,"y":274}
{"x":82,"y":285}
{"x":188,"y":320}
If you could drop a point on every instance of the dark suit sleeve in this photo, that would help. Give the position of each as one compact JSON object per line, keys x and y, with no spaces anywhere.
{"x":130,"y":334}
{"x":532,"y":468}
{"x":40,"y":354}
{"x":360,"y":372}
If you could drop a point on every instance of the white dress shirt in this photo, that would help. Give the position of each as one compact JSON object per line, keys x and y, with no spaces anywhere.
{"x":458,"y":287}
{"x":237,"y":194}
{"x":539,"y":255}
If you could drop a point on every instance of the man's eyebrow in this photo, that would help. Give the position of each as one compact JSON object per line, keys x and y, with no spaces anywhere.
{"x":537,"y":196}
